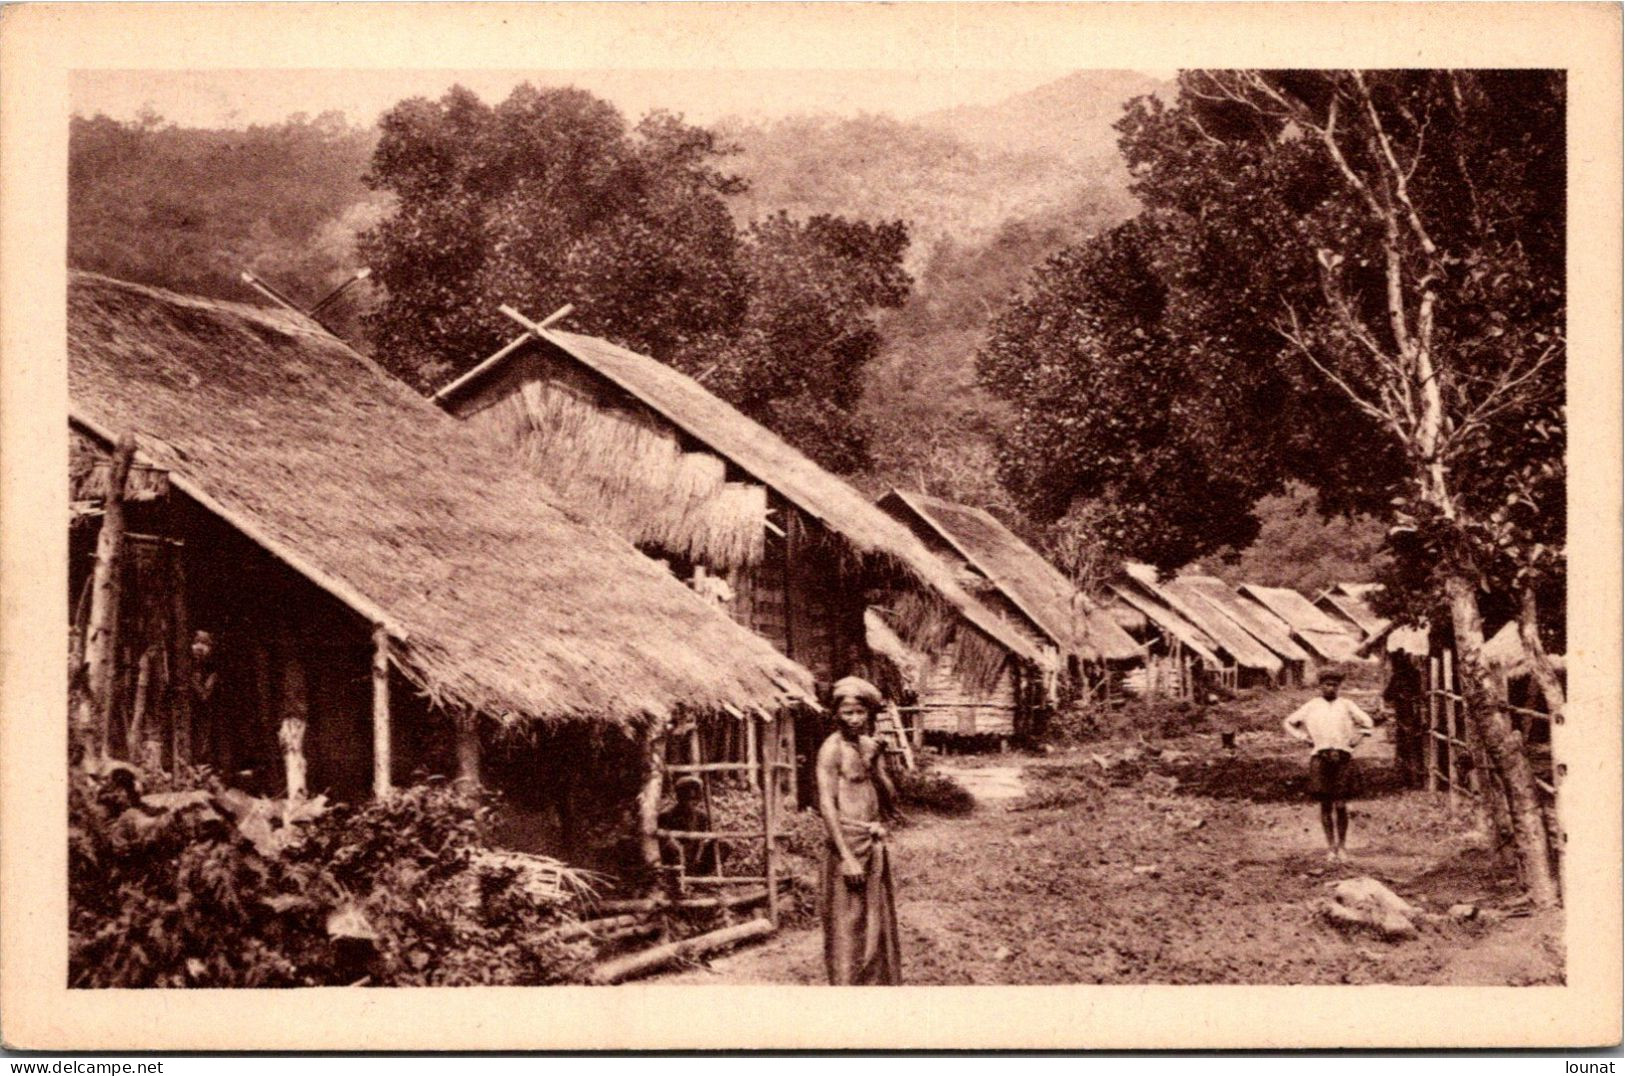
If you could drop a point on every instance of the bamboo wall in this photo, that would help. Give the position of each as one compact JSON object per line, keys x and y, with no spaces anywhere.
{"x":947,"y":705}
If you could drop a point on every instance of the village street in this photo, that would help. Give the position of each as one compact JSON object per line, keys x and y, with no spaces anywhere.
{"x":1198,"y":866}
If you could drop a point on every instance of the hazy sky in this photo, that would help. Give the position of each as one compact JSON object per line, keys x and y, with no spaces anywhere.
{"x":238,"y":98}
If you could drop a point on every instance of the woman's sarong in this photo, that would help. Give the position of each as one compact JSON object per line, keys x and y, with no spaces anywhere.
{"x":860,"y":921}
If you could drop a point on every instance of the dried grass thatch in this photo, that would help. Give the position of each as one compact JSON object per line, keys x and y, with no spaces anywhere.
{"x":1169,"y":622}
{"x":1348,"y":602}
{"x":632,"y":474}
{"x":1316,"y":631}
{"x":1260,"y":625}
{"x":1227,"y":636}
{"x":1032,"y":584}
{"x":756,"y":452}
{"x":498,"y":600}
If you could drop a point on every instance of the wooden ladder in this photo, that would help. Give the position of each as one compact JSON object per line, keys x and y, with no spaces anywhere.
{"x":892,"y":736}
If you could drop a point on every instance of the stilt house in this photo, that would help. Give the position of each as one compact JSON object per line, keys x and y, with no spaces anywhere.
{"x":789,"y":549}
{"x":1009,"y":576}
{"x":1178,"y":653}
{"x":1312,"y":629}
{"x":1295,"y":661}
{"x":1203,"y":638}
{"x":381,"y":594}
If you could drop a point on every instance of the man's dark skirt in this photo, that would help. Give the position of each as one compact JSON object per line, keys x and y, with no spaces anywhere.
{"x":1333,"y":775}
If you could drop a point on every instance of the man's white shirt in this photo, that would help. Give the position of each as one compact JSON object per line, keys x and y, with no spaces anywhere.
{"x":1338,"y":724}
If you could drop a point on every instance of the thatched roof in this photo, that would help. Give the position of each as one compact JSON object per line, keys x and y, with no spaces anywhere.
{"x":1310,"y":627}
{"x":497,"y":599}
{"x":1257,"y":623}
{"x":1049,"y":601}
{"x":1348,"y":601}
{"x":763,"y":457}
{"x":1169,"y":621}
{"x":1243,"y":649}
{"x":1392,"y":639}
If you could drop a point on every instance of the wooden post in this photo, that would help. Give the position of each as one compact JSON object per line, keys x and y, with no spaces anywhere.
{"x":142,"y":741}
{"x":752,"y":750}
{"x":94,"y":706}
{"x":792,"y":526}
{"x":1433,"y":724}
{"x":654,"y":780}
{"x":696,"y":754}
{"x":381,"y":782}
{"x":295,"y":716}
{"x":76,"y":635}
{"x":468,"y":749}
{"x":1451,"y":764}
{"x":770,"y":853}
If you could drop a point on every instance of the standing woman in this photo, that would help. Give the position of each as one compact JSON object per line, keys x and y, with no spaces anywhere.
{"x":854,"y":795}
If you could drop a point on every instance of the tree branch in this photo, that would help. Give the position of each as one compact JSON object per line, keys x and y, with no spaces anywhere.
{"x":1295,"y":337}
{"x":1401,"y":188}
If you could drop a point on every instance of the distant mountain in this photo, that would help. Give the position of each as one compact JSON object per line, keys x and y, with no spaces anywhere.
{"x":988,"y":192}
{"x":1070,"y":118}
{"x":877,"y":167}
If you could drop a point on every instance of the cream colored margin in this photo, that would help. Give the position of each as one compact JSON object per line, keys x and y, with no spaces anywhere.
{"x":39,"y":44}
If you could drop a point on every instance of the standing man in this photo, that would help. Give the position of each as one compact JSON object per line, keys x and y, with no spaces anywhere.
{"x":854,"y":793}
{"x":1332,"y":727}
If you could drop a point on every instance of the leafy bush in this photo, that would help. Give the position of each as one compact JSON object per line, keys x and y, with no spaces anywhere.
{"x":206,"y":886}
{"x":931,"y":790}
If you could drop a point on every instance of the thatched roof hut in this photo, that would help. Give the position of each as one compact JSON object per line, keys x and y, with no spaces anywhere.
{"x":1032,"y":587}
{"x":497,"y":599}
{"x":1233,"y":640}
{"x":1312,"y":628}
{"x":1266,"y":629}
{"x":1156,"y":613}
{"x":651,"y":484}
{"x":1349,"y":602}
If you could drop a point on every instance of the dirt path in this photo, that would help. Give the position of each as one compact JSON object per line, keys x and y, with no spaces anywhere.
{"x":1197,"y":865}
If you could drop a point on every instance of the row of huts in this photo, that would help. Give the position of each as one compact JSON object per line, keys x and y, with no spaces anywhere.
{"x":572,"y":573}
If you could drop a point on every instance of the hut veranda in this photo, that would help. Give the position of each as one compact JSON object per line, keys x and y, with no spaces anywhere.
{"x":788,"y":549}
{"x":313,"y":580}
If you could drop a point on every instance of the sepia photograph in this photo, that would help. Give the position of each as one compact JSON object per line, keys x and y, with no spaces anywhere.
{"x":1081,"y":525}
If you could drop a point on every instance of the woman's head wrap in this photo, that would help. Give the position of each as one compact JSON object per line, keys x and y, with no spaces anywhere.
{"x":856,"y":687}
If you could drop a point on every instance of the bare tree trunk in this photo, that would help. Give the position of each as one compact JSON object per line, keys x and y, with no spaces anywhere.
{"x":93,"y":707}
{"x":1502,"y":744}
{"x":1551,"y":688}
{"x":1495,"y":809}
{"x":76,"y":638}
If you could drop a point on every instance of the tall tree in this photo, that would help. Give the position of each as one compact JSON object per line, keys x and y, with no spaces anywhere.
{"x":809,"y":332}
{"x":545,"y":198}
{"x":1352,"y":279}
{"x":550,"y":197}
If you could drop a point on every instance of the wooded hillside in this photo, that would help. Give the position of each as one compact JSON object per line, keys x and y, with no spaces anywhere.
{"x":988,"y":193}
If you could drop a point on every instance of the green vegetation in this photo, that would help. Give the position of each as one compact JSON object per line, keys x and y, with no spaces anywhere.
{"x":934,"y":791}
{"x":200,"y":885}
{"x":787,"y":266}
{"x":1351,"y":280}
